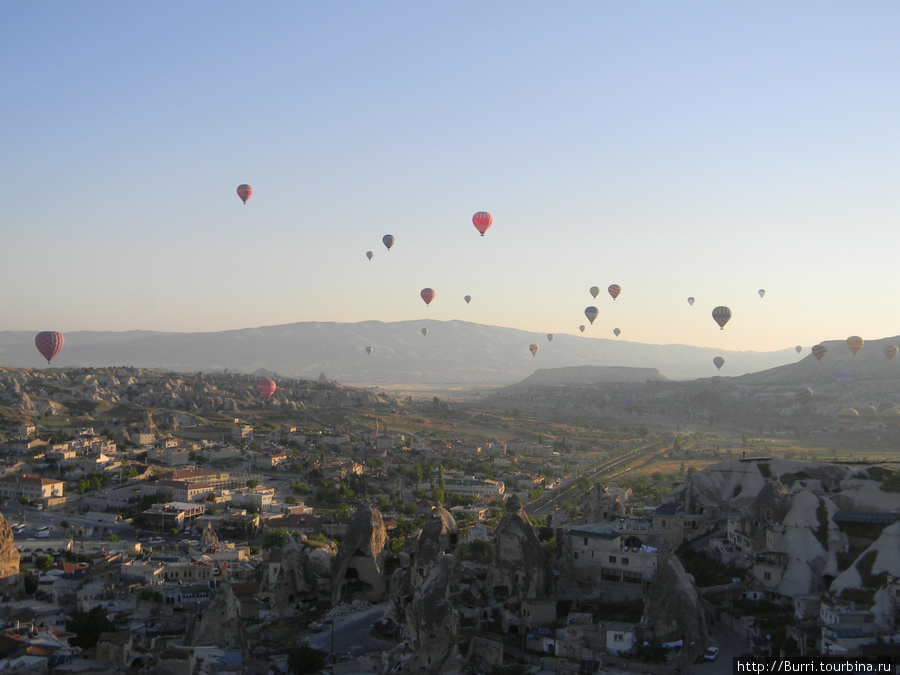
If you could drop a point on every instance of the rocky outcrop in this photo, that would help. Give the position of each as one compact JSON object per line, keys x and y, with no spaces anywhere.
{"x":9,"y":557}
{"x":519,"y":567}
{"x":298,"y":569}
{"x":360,"y":566}
{"x":602,"y":507}
{"x":673,"y":610}
{"x":219,"y":623}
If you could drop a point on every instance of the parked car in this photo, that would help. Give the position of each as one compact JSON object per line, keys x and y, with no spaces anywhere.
{"x":711,"y":654}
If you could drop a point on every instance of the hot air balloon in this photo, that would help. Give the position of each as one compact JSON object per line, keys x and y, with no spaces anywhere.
{"x":369,"y":254}
{"x":718,"y":362}
{"x":762,"y":292}
{"x":244,"y":192}
{"x":804,"y":395}
{"x":427,"y":295}
{"x":424,"y":331}
{"x":48,"y":343}
{"x":868,"y":412}
{"x":468,"y":299}
{"x":843,"y":378}
{"x":549,"y":337}
{"x":798,"y":348}
{"x":614,"y":290}
{"x":855,"y":343}
{"x":369,"y":351}
{"x":617,"y":332}
{"x":847,"y":417}
{"x":482,"y":221}
{"x":891,"y":416}
{"x":595,"y":291}
{"x":581,"y":328}
{"x":629,"y":405}
{"x":721,"y":315}
{"x":602,"y":401}
{"x":591,"y":313}
{"x":819,"y":352}
{"x":266,"y":388}
{"x":533,"y":348}
{"x":890,"y":351}
{"x":388,"y":240}
{"x":691,"y":301}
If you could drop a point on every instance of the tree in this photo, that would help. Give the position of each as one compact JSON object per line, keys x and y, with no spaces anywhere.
{"x":252,"y":483}
{"x":273,"y":538}
{"x":88,"y":626}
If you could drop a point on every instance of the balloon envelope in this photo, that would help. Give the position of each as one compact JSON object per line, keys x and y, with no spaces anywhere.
{"x":855,"y":343}
{"x":244,"y":192}
{"x":890,"y":351}
{"x":591,"y":313}
{"x":595,"y":291}
{"x":424,"y":331}
{"x":614,"y":290}
{"x":266,"y":388}
{"x":468,"y":299}
{"x":762,"y":292}
{"x":549,"y":337}
{"x":691,"y":301}
{"x":533,"y":349}
{"x":388,"y":240}
{"x":581,"y":328}
{"x":847,"y":417}
{"x":804,"y":395}
{"x":48,"y":343}
{"x":718,"y":362}
{"x":427,"y":295}
{"x":819,"y":352}
{"x":721,"y":315}
{"x":844,"y":378}
{"x":798,"y":348}
{"x":482,"y":221}
{"x":369,"y":254}
{"x":617,"y":332}
{"x":369,"y":350}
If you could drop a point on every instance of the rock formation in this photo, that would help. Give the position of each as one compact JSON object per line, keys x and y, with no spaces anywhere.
{"x":360,"y":566}
{"x":673,"y":610}
{"x":219,"y":623}
{"x":602,"y":507}
{"x":298,"y":569}
{"x":519,"y":567}
{"x":9,"y":558}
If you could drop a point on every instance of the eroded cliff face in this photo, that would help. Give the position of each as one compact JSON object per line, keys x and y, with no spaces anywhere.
{"x":673,"y":609}
{"x":300,"y":568}
{"x":219,"y":623}
{"x":9,"y":556}
{"x":360,"y":571}
{"x":519,"y":567}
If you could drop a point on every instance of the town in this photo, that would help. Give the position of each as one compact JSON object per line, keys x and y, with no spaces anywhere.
{"x":371,"y":535}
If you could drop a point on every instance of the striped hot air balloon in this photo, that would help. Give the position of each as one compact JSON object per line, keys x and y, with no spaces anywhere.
{"x":868,"y":413}
{"x":855,"y":343}
{"x":819,"y":352}
{"x":244,"y":191}
{"x":533,"y":348}
{"x":721,"y":315}
{"x":482,"y":221}
{"x":591,"y":313}
{"x":804,"y":395}
{"x":890,"y":351}
{"x":848,"y":417}
{"x":614,"y":291}
{"x":427,"y":295}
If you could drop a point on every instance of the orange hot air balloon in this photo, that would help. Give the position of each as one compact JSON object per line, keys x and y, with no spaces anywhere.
{"x":267,"y":388}
{"x":534,"y":349}
{"x":427,"y":295}
{"x":614,"y":290}
{"x":482,"y":221}
{"x":855,"y":343}
{"x":244,"y":192}
{"x":48,"y":343}
{"x":890,"y":351}
{"x":819,"y":352}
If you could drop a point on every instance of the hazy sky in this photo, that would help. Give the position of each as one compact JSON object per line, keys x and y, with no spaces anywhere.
{"x":704,"y":149}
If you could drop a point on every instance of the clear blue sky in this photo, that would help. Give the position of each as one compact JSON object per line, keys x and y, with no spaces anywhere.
{"x":704,"y":149}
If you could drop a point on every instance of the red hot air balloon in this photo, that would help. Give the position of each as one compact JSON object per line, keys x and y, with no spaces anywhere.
{"x":819,"y":352}
{"x":244,"y":192}
{"x":482,"y":221}
{"x":614,"y":290}
{"x":855,"y":343}
{"x":49,"y":342}
{"x":266,"y":388}
{"x":427,"y":295}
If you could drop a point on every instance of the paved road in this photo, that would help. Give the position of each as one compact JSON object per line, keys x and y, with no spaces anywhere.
{"x":352,"y":633}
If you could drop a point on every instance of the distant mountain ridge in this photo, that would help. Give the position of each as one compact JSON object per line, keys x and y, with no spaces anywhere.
{"x":452,"y":353}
